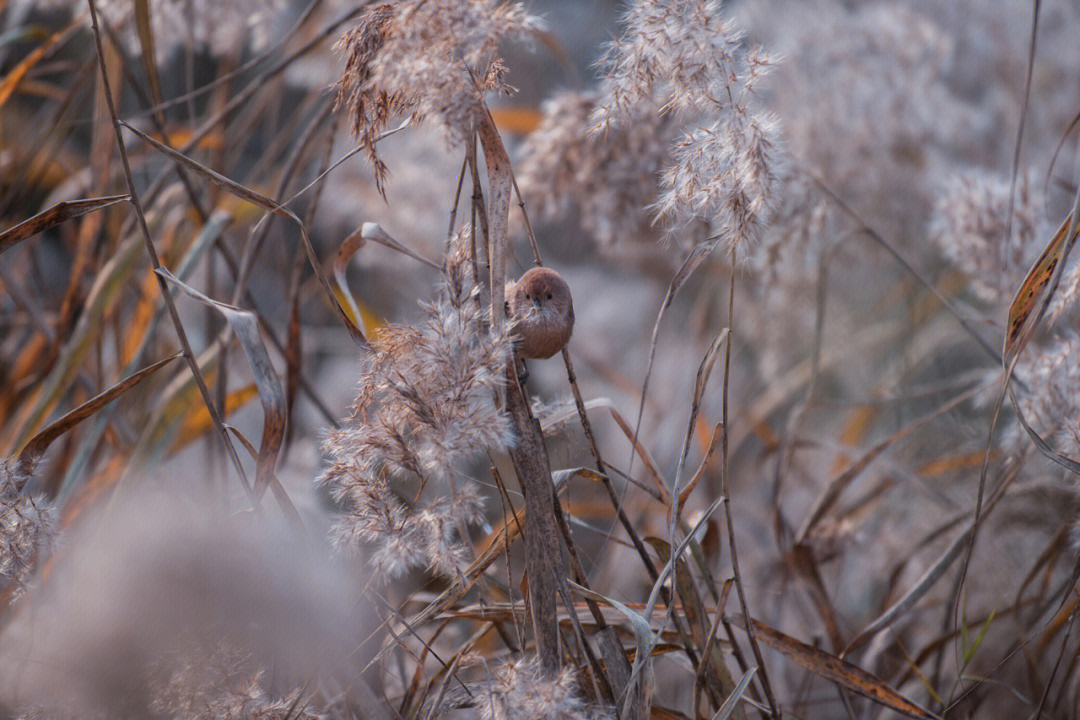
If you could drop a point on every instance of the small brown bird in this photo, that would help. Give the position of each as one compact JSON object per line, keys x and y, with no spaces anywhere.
{"x":542,"y":312}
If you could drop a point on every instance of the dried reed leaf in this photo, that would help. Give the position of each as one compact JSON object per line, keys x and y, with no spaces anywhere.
{"x":19,"y":72}
{"x":731,"y":703}
{"x":33,"y":450}
{"x":52,"y":217}
{"x":714,"y":443}
{"x":282,"y":497}
{"x":255,"y":198}
{"x":835,"y":670}
{"x":713,"y":667}
{"x":639,"y":693}
{"x":144,"y":29}
{"x":106,"y":288}
{"x":1017,"y":330}
{"x":246,"y":327}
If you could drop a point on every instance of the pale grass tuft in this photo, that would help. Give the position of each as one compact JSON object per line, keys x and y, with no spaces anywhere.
{"x":970,"y":224}
{"x":522,"y":690}
{"x":27,"y":527}
{"x":425,"y":407}
{"x":1052,"y":404}
{"x":670,"y":136}
{"x":422,"y":58}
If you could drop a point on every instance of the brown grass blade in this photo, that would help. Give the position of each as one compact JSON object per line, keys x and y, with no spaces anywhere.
{"x":52,"y":217}
{"x":246,"y":327}
{"x":33,"y":450}
{"x":16,"y":76}
{"x":282,"y":497}
{"x":1017,"y":331}
{"x":835,"y":670}
{"x":145,"y":31}
{"x":266,"y":203}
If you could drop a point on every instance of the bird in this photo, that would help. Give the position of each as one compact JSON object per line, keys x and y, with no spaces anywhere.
{"x":541,"y":311}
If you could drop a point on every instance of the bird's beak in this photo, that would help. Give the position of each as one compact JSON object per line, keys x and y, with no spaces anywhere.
{"x":536,"y":302}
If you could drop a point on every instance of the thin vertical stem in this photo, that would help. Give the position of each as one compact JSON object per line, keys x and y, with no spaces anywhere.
{"x":727,"y":494}
{"x":181,"y":335}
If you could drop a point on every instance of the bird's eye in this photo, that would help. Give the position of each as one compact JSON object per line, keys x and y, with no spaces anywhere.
{"x":526,"y":296}
{"x":549,"y":296}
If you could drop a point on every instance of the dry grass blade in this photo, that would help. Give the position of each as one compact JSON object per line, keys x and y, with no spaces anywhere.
{"x":20,"y":71}
{"x":714,"y":443}
{"x":661,"y":492}
{"x":266,"y":203}
{"x":282,"y":497}
{"x":1019,"y":330}
{"x":271,"y":393}
{"x":52,"y":217}
{"x":33,"y":450}
{"x":837,"y":486}
{"x":732,"y":700}
{"x":836,"y":670}
{"x":145,"y":30}
{"x":693,"y":260}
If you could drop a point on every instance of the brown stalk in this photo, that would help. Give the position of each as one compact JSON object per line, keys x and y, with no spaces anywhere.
{"x":543,"y":556}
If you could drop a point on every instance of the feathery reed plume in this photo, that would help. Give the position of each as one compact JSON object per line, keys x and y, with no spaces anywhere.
{"x":611,"y":177}
{"x":425,"y":406}
{"x":422,"y":58}
{"x":970,"y":222}
{"x":671,"y":130}
{"x":27,"y":527}
{"x":1052,"y":404}
{"x":521,"y":689}
{"x":219,"y":683}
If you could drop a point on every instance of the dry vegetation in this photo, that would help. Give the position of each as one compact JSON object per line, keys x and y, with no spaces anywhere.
{"x":812,"y":451}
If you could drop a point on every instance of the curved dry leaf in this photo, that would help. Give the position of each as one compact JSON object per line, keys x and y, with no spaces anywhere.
{"x":834,"y":669}
{"x":266,"y":203}
{"x":282,"y":497}
{"x":661,"y":492}
{"x":33,"y":450}
{"x":1017,"y":332}
{"x":52,"y":217}
{"x":246,"y":327}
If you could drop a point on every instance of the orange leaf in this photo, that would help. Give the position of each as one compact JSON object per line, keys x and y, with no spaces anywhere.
{"x":1032,"y":288}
